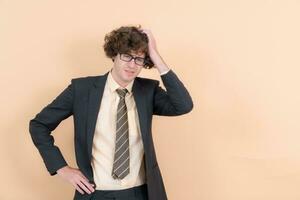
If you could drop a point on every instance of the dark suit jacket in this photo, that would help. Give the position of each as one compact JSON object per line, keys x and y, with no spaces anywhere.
{"x":82,"y":99}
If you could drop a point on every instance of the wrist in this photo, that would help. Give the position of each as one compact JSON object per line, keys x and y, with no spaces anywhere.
{"x":61,"y":170}
{"x":163,"y":69}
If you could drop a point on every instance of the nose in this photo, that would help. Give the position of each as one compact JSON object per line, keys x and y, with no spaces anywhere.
{"x":132,"y":63}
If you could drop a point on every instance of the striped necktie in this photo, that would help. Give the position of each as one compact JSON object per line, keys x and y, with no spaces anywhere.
{"x":121,"y":157}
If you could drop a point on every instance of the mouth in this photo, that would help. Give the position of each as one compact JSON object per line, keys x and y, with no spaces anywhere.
{"x":129,"y":72}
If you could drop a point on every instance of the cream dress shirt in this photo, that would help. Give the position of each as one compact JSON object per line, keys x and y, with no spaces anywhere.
{"x":105,"y":136}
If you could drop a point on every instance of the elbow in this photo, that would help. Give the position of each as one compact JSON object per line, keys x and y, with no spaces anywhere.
{"x":188,"y":107}
{"x":188,"y":104}
{"x":36,"y":128}
{"x":31,"y":126}
{"x":32,"y":129}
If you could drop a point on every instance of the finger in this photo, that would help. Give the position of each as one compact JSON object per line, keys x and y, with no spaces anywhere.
{"x":85,"y":187}
{"x":144,"y":31}
{"x":78,"y":189}
{"x":88,"y":185}
{"x":86,"y":181}
{"x":147,"y":31}
{"x":82,"y":176}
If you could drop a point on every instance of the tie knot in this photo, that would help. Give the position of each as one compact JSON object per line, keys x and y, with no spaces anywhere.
{"x":122,"y":92}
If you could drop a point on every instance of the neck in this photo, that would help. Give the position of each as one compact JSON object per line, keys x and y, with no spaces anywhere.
{"x":120,"y":82}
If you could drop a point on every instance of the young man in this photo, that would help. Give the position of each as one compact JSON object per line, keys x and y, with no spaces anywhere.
{"x":112,"y":122}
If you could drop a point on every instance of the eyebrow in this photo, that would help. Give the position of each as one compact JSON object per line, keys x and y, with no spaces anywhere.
{"x":140,"y":56}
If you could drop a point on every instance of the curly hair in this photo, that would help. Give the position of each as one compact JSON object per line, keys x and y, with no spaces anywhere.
{"x":126,"y":39}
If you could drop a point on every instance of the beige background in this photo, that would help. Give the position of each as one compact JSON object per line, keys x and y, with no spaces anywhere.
{"x":239,"y":60}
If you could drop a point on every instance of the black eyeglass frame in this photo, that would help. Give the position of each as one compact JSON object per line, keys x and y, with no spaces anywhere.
{"x":133,"y":57}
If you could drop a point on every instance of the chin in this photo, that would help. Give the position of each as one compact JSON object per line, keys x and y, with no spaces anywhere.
{"x":129,"y":77}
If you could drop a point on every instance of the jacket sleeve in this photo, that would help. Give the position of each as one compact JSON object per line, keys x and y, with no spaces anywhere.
{"x":45,"y":122}
{"x":176,"y":100}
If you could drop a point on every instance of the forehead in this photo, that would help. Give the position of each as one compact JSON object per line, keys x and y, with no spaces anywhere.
{"x":137,"y":53}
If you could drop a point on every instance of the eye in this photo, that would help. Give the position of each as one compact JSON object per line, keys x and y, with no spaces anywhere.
{"x":139,"y":59}
{"x":127,"y":56}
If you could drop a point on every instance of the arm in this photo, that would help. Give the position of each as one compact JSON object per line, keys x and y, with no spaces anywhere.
{"x":40,"y":129}
{"x":176,"y":100}
{"x":45,"y":122}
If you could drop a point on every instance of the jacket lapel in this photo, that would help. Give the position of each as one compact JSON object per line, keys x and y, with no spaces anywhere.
{"x":95,"y":96}
{"x":140,"y":101}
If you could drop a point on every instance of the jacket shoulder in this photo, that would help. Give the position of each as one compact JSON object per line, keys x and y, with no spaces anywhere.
{"x":147,"y":81}
{"x":84,"y":80}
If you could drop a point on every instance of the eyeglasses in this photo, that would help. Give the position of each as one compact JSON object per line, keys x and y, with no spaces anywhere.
{"x":137,"y":60}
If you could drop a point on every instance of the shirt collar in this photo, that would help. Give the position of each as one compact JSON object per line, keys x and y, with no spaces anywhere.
{"x":113,"y":85}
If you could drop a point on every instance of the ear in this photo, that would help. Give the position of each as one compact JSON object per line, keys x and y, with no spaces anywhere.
{"x":114,"y":58}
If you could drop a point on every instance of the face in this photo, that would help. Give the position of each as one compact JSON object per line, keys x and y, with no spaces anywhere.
{"x":124,"y":72}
